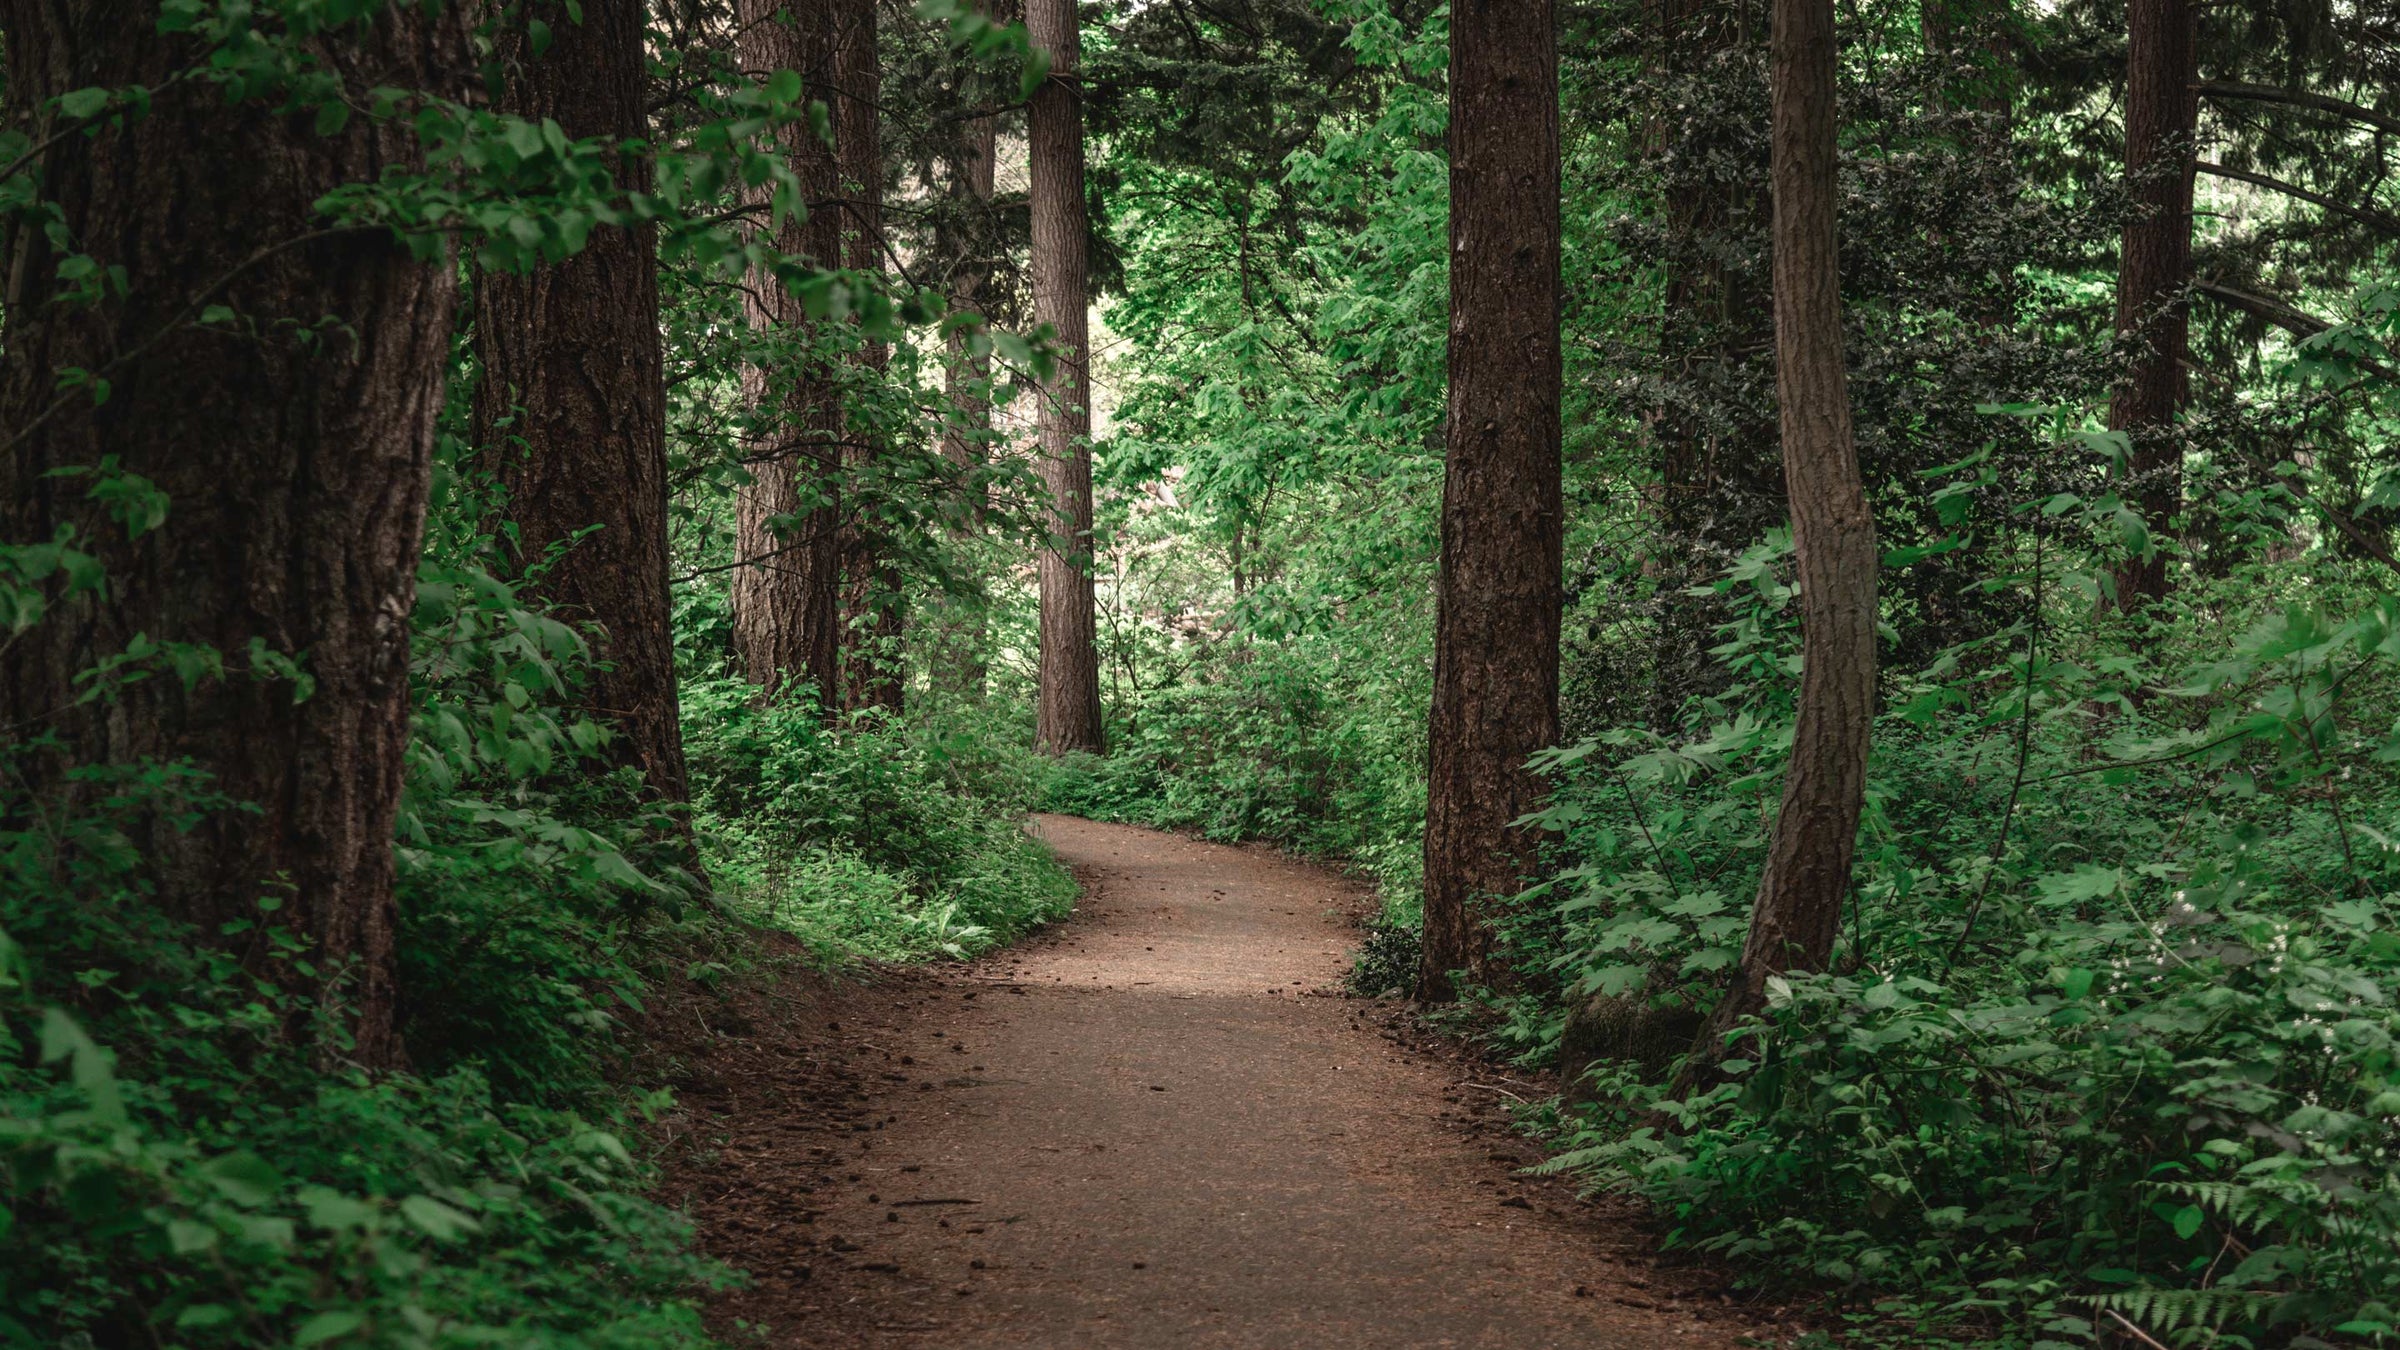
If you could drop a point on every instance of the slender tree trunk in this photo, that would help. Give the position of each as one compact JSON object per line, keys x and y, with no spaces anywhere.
{"x":2155,"y":272}
{"x":959,"y":664}
{"x":1799,"y":905}
{"x":573,"y":399}
{"x":294,"y":442}
{"x":787,"y":601}
{"x":966,"y":377}
{"x":1496,"y":629}
{"x":872,"y":612}
{"x":1068,"y":713}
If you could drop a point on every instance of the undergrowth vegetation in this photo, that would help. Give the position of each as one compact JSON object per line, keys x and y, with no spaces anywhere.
{"x":187,"y":1155}
{"x":2112,"y":1027}
{"x":865,"y":840}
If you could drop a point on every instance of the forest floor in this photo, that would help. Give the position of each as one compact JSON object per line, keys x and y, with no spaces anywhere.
{"x":1157,"y":1124}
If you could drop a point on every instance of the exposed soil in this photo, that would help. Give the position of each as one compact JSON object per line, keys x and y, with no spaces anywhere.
{"x":1157,"y":1124}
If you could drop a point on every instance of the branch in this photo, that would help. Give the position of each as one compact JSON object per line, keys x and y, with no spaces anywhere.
{"x":2298,"y":98}
{"x":2366,"y":216}
{"x":2298,"y":322}
{"x":792,"y":544}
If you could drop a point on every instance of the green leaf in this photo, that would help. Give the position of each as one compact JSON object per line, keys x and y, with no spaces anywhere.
{"x":243,"y":1178}
{"x":2087,"y":882}
{"x":326,"y":1326}
{"x":437,"y":1220}
{"x":83,"y":103}
{"x":332,"y":1210}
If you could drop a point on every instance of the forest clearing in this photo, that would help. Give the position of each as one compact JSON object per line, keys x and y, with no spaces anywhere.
{"x":690,"y":674}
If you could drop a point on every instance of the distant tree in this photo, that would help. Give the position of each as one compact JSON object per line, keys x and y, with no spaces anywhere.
{"x":1798,"y":910}
{"x":1713,"y":437}
{"x":787,"y":615}
{"x":1068,"y":712}
{"x":260,"y":631}
{"x":959,"y":662}
{"x":872,"y":599}
{"x":572,"y":400}
{"x":1498,"y":600}
{"x":2155,"y":274}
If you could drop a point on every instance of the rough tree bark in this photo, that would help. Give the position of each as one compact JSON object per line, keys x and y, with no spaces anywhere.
{"x":294,"y":441}
{"x":2155,"y":272}
{"x":573,"y":399}
{"x":1798,"y":910}
{"x":1067,"y":716}
{"x":1497,"y":605}
{"x":787,"y":598}
{"x":872,"y":613}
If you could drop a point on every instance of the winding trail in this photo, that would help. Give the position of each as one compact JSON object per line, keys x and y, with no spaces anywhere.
{"x":1152,"y":1127}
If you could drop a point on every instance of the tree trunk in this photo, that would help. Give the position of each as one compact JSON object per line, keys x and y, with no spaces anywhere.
{"x":1068,"y":712}
{"x":294,"y":441}
{"x":959,"y":663}
{"x":2155,"y":273}
{"x":787,"y":599}
{"x":573,"y":400}
{"x":1799,"y":905}
{"x":1496,"y":627}
{"x":872,"y":599}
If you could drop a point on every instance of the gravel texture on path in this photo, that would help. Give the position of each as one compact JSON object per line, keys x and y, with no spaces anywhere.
{"x":1158,"y":1124}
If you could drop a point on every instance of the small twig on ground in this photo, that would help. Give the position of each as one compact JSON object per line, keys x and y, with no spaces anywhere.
{"x":2136,"y":1332}
{"x":1501,"y":1090}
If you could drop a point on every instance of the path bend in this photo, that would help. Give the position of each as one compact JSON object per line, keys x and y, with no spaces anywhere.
{"x":1155,"y":1126}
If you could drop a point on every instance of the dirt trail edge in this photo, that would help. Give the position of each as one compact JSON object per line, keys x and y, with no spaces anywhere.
{"x":1151,"y":1126}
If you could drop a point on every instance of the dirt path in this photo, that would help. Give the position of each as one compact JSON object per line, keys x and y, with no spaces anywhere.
{"x":1153,"y":1128}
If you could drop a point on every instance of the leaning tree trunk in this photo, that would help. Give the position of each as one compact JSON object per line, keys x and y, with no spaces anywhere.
{"x":872,"y":610}
{"x":1497,"y":605}
{"x":1067,"y":716}
{"x":1799,"y":904}
{"x":787,"y":594}
{"x":2155,"y":273}
{"x":572,"y":404}
{"x":293,"y":440}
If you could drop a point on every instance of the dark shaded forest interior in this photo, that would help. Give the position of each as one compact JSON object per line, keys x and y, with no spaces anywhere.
{"x":1824,"y":576}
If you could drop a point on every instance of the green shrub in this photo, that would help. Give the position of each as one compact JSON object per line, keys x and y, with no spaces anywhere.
{"x":866,"y":839}
{"x":2111,"y":1030}
{"x":183,"y":1160}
